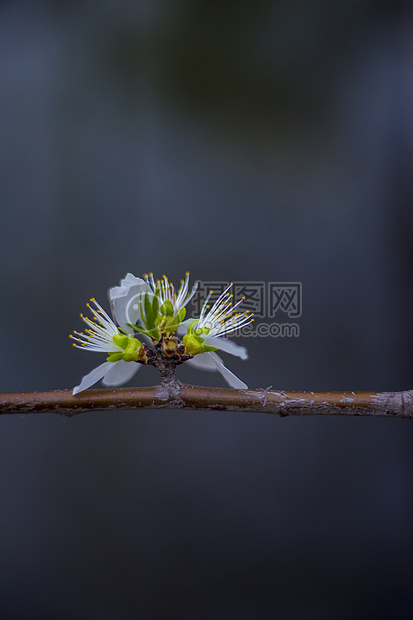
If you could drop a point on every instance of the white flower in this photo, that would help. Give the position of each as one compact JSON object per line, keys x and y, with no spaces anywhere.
{"x":204,"y":334}
{"x":126,"y":298}
{"x":220,"y":319}
{"x":99,"y":335}
{"x":103,"y":336}
{"x":160,"y":309}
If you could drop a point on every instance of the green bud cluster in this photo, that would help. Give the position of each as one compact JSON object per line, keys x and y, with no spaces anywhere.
{"x":161,"y":322}
{"x":158,"y":320}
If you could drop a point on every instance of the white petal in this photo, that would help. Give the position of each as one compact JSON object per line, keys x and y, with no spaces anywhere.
{"x":125,"y":284}
{"x":125,"y":300}
{"x":93,"y":377}
{"x":202,"y":362}
{"x":212,"y":361}
{"x":227,"y":345}
{"x":121,"y":372}
{"x":183,"y":327}
{"x":227,"y":374}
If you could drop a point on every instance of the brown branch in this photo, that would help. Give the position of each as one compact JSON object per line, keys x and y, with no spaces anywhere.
{"x":175,"y":395}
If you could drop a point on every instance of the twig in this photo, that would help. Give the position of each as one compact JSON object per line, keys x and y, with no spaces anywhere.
{"x":176,"y":395}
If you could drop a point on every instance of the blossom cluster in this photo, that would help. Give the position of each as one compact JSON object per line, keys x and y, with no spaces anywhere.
{"x":149,"y":327}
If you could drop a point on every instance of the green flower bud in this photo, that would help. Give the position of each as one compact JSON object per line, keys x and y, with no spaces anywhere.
{"x":167,"y":308}
{"x":130,"y":348}
{"x":167,"y":324}
{"x":193,"y":344}
{"x":121,"y":340}
{"x":114,"y":357}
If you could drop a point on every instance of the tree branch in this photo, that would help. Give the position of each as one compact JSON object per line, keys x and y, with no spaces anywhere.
{"x":175,"y":395}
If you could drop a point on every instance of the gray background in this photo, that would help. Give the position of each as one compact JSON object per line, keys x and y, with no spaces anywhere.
{"x":266,"y":141}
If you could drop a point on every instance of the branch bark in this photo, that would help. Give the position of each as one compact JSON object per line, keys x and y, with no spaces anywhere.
{"x":175,"y":395}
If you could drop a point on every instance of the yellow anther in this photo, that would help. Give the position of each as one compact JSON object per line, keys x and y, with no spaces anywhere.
{"x":73,"y":345}
{"x":92,"y":299}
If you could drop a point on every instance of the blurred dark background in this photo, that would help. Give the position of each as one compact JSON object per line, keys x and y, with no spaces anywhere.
{"x":267,"y":141}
